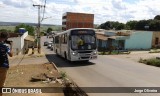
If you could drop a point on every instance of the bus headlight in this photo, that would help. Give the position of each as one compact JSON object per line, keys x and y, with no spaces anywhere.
{"x":94,"y":52}
{"x":74,"y":53}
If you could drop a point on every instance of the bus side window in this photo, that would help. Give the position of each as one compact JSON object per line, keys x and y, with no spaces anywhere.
{"x":65,"y":38}
{"x":57,"y":39}
{"x":62,"y":39}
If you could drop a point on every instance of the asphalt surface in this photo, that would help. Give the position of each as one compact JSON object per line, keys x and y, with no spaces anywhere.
{"x":108,"y":71}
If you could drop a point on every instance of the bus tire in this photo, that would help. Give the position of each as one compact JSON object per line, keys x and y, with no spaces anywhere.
{"x":56,"y":51}
{"x":86,"y":60}
{"x":65,"y":55}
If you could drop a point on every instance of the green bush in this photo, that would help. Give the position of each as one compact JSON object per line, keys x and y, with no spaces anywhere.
{"x":152,"y":61}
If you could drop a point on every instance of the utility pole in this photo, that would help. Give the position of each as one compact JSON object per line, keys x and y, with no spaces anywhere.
{"x":39,"y":25}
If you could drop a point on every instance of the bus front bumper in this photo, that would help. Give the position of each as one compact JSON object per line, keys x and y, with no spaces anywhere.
{"x":83,"y":57}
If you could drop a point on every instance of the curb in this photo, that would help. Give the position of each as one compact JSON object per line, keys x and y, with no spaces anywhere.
{"x":55,"y":66}
{"x":71,"y":88}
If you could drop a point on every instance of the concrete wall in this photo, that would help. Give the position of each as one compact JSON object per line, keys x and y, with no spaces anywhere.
{"x":139,"y":40}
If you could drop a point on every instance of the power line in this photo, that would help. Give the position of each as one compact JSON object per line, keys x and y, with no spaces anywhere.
{"x":44,"y":10}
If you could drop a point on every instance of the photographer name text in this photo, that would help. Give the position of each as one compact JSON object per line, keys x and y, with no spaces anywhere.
{"x":145,"y":91}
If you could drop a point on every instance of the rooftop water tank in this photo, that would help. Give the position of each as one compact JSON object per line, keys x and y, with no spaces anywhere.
{"x":22,"y":30}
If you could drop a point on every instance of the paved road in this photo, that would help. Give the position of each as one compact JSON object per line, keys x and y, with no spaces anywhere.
{"x":108,"y":71}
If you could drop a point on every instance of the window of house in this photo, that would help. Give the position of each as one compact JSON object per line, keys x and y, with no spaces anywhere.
{"x":156,"y":41}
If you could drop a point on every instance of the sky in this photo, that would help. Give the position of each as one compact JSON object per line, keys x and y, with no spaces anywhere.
{"x":103,"y":10}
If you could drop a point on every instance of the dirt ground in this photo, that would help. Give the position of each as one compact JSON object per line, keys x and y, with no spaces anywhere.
{"x":135,"y":56}
{"x":21,"y":76}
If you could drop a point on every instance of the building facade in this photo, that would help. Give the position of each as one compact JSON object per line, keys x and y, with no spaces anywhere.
{"x":139,"y":40}
{"x":129,"y":40}
{"x":77,"y":20}
{"x":156,"y":39}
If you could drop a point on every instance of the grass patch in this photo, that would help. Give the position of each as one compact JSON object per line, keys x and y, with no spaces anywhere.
{"x":113,"y":53}
{"x":154,"y":51}
{"x":151,"y":61}
{"x":107,"y":53}
{"x":12,"y":28}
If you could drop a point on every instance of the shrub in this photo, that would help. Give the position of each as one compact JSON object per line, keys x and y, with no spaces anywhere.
{"x":152,"y":61}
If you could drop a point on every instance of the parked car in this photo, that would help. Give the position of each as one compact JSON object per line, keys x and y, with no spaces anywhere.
{"x":45,"y":43}
{"x":49,"y":45}
{"x":50,"y":36}
{"x":52,"y":47}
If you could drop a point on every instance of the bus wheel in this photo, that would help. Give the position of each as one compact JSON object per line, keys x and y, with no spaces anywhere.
{"x":65,"y":55}
{"x":56,"y":51}
{"x":86,"y":60}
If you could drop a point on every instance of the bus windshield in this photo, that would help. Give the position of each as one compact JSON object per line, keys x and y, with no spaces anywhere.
{"x":83,"y":42}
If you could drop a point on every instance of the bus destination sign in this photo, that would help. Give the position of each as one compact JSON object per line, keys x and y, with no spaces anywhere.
{"x":82,"y":32}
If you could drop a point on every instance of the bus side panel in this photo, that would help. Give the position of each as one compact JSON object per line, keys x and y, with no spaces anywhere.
{"x":69,"y":52}
{"x":57,"y":45}
{"x":68,"y":47}
{"x":64,"y":50}
{"x":64,"y":46}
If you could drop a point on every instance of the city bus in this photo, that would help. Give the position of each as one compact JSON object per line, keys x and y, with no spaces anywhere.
{"x":77,"y":44}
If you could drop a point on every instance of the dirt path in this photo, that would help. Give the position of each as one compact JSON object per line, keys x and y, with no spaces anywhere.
{"x":20,"y":76}
{"x":135,"y":56}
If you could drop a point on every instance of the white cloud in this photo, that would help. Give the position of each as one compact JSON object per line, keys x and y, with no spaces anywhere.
{"x":104,"y":10}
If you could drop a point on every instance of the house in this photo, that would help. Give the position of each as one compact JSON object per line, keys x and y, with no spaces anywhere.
{"x":111,"y":38}
{"x":21,"y":42}
{"x":156,"y":39}
{"x":139,"y":40}
{"x":124,"y":39}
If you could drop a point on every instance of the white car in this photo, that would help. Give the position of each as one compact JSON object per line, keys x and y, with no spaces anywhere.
{"x":49,"y":45}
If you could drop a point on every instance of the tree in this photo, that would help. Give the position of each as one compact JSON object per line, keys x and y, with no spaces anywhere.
{"x":112,"y":25}
{"x":49,"y":30}
{"x":157,"y":17}
{"x":130,"y":25}
{"x":141,"y":24}
{"x":120,"y":26}
{"x":154,"y":25}
{"x":28,"y":28}
{"x":150,"y":24}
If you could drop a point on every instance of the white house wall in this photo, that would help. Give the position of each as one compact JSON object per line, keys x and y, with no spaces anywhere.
{"x":18,"y":43}
{"x":22,"y":39}
{"x":139,"y":40}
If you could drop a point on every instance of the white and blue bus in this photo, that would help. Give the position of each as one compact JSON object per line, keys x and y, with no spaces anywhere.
{"x":77,"y":44}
